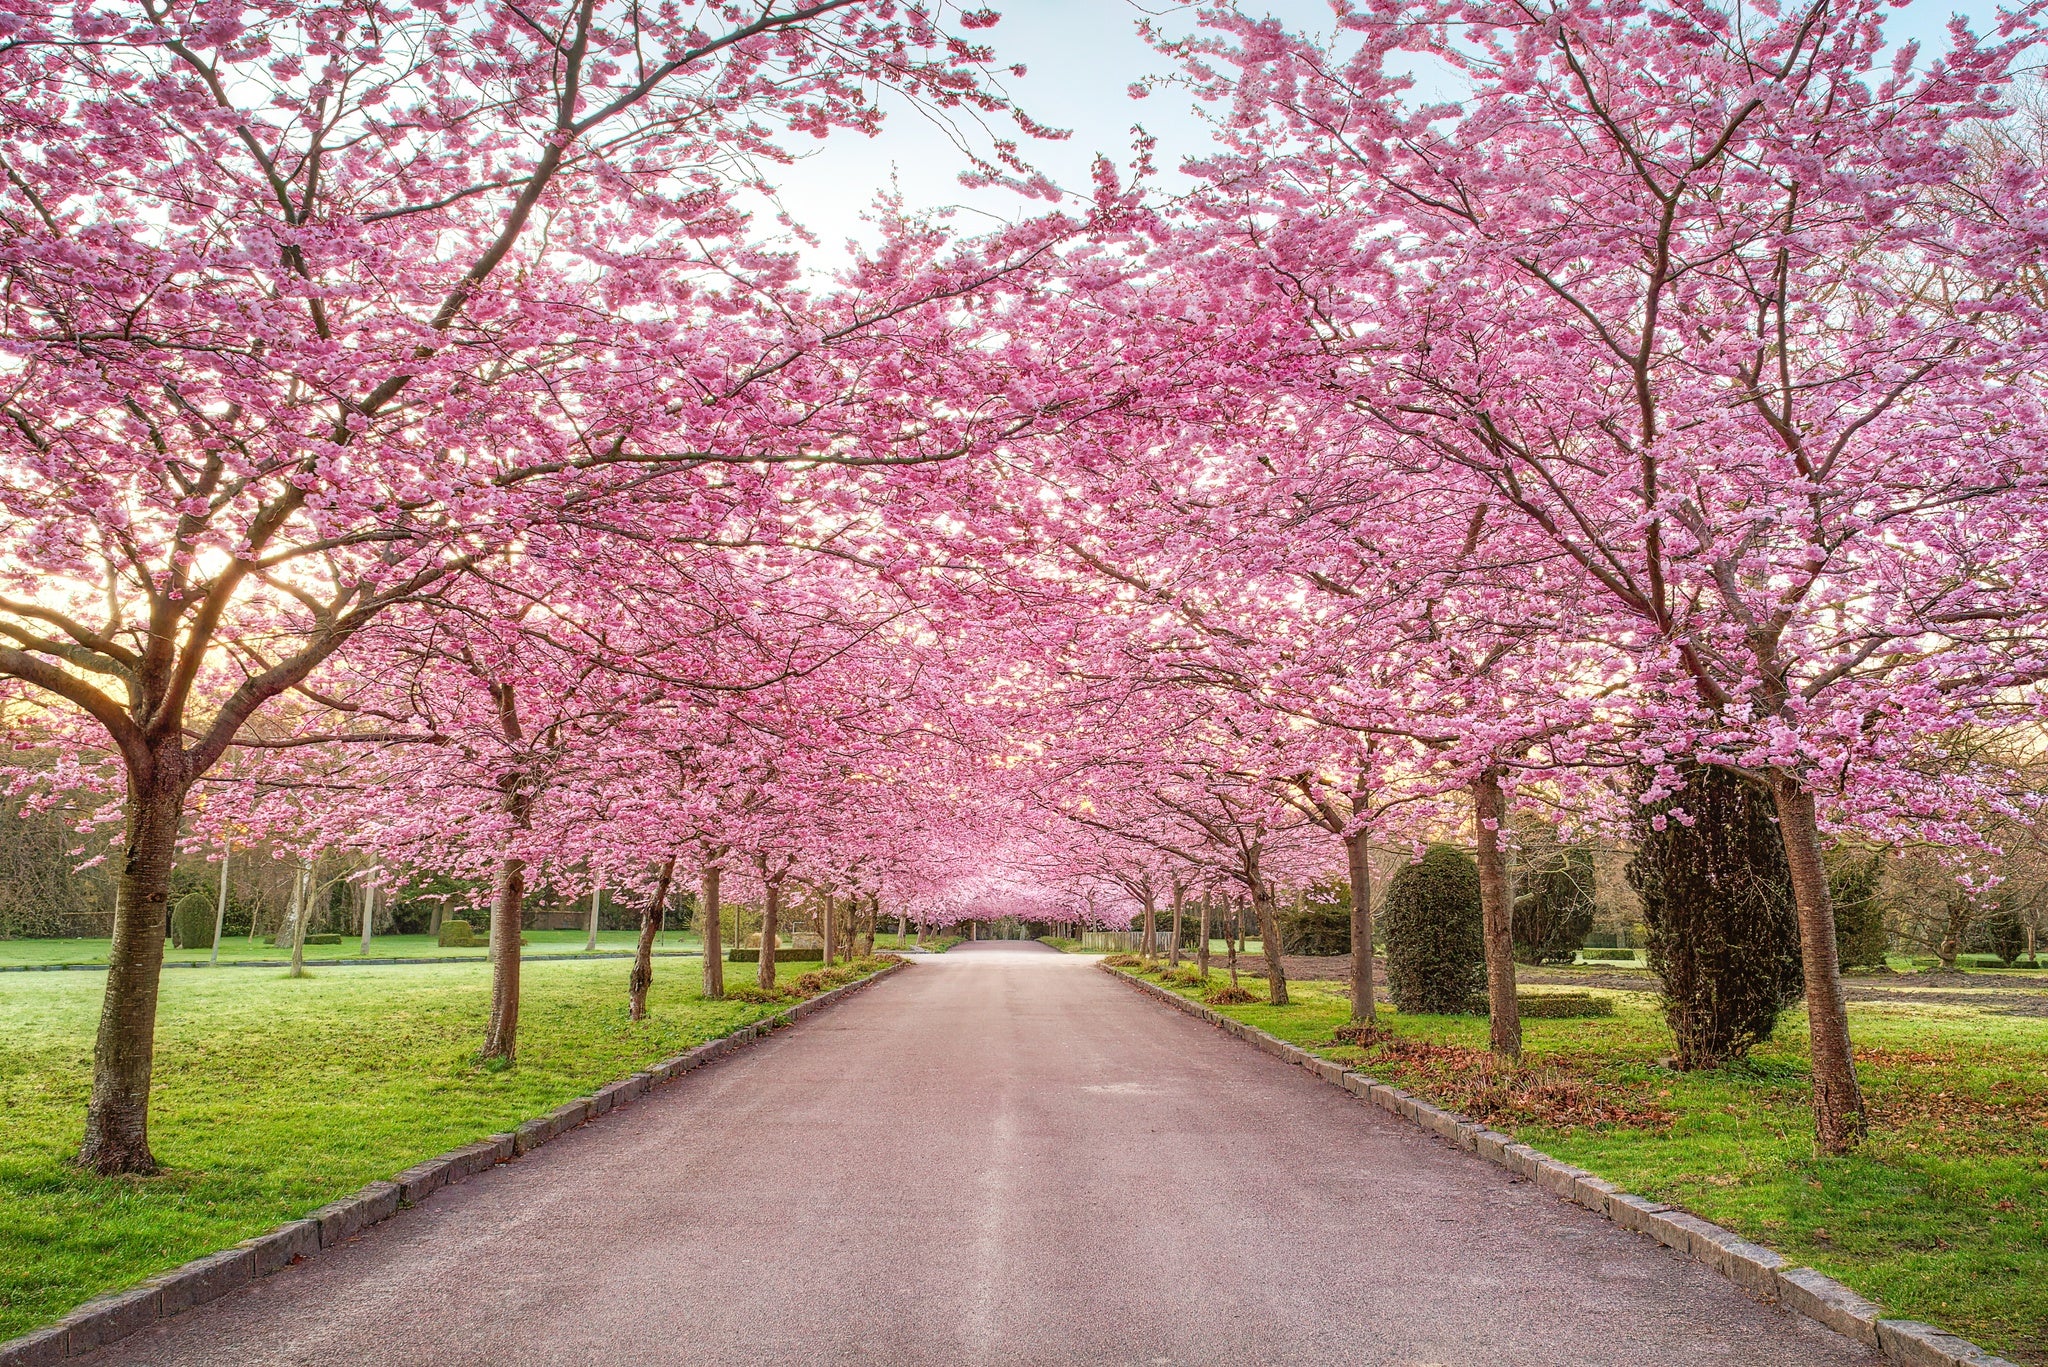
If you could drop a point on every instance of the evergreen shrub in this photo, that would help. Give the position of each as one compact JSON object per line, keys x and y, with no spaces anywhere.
{"x":1554,"y":911}
{"x":458,"y":935}
{"x":1436,"y":955}
{"x":192,"y":921}
{"x":1717,"y":901}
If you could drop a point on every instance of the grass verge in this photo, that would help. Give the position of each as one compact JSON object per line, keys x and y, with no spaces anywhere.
{"x":1939,"y":1216}
{"x":273,"y":1096}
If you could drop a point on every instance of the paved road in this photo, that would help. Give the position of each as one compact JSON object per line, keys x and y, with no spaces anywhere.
{"x":999,"y":1156}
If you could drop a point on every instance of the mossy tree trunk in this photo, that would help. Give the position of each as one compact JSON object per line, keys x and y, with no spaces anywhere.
{"x":1358,"y":868}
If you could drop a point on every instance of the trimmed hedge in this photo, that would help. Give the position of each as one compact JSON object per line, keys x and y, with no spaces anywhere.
{"x":458,"y":935}
{"x":192,"y":921}
{"x":1562,"y":1005}
{"x":787,"y":954}
{"x":1436,"y":953}
{"x":1607,"y":956}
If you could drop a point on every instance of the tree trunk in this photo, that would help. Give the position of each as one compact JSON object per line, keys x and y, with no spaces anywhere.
{"x":501,"y":1036}
{"x":123,"y":1055}
{"x":1490,"y":806}
{"x":714,"y":953}
{"x":1269,"y":936}
{"x":303,"y":896}
{"x":1147,"y":945}
{"x":220,"y":908}
{"x":369,"y":908}
{"x":771,"y":912}
{"x":1234,"y":936}
{"x":434,"y":918}
{"x":1838,"y":1119}
{"x":651,"y":917}
{"x":596,"y":897}
{"x":1202,"y":952}
{"x":828,"y":928}
{"x":1358,"y":867}
{"x":1180,"y":906}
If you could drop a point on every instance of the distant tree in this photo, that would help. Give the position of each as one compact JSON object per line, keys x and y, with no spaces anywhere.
{"x":1554,"y":910}
{"x":1321,"y":925}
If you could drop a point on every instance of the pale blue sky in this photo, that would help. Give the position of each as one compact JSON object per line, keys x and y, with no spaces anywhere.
{"x":1081,"y":57}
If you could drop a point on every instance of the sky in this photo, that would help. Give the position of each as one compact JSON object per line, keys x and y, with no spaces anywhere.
{"x":1081,"y":57}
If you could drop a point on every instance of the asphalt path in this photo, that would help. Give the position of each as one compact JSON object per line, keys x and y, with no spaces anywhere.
{"x":999,"y":1155}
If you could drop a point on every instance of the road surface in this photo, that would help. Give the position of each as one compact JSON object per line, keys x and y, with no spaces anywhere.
{"x":998,"y":1156}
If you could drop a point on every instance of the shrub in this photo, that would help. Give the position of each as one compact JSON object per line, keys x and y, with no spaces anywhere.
{"x":784,"y":954}
{"x":1553,"y":914}
{"x":1563,"y":1005}
{"x":192,"y":921}
{"x":1436,"y":955}
{"x":323,"y":938}
{"x":1228,"y":995}
{"x":1123,"y":960}
{"x":458,"y":935}
{"x":1608,"y":956}
{"x":1717,"y":900}
{"x":1322,"y":924}
{"x":2005,"y":934}
{"x":1859,"y":914}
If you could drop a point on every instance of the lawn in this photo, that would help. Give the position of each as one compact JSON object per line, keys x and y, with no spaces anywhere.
{"x":1938,"y":1217}
{"x":238,"y":948}
{"x":274,"y":1096}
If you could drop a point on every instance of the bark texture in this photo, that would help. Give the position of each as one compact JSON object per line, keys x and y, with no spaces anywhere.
{"x":501,"y":1035}
{"x":1269,"y":938}
{"x":1838,"y":1116}
{"x":771,"y":916}
{"x":123,"y":1055}
{"x":1358,"y":867}
{"x":714,"y":930}
{"x":651,"y":917}
{"x":1490,"y":805}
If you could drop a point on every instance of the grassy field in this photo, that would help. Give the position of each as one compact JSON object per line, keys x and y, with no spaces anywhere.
{"x":274,"y":1096}
{"x":239,"y":948}
{"x":1938,"y":1217}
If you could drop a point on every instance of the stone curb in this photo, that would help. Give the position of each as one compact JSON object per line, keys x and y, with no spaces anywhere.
{"x":1756,"y":1269}
{"x":107,"y":1318}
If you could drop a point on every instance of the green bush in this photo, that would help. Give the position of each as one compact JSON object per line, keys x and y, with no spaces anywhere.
{"x":1562,"y":1005}
{"x":1322,"y":925}
{"x":1555,"y":910}
{"x":1436,"y":955}
{"x":458,"y":935}
{"x":323,"y":939}
{"x":192,"y":921}
{"x":1859,"y":914}
{"x":2005,"y":934}
{"x":785,"y":954}
{"x":1717,"y":899}
{"x":1606,"y":956}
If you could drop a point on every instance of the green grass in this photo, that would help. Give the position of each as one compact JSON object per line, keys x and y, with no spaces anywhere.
{"x":236,"y":948}
{"x":1939,"y":1216}
{"x":273,"y":1096}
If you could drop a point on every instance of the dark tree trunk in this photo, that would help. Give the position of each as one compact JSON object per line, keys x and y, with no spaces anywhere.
{"x":828,"y":928}
{"x":1490,"y":805}
{"x":1838,"y":1118}
{"x":124,"y":1054}
{"x":1234,"y":934}
{"x":1364,"y":1004}
{"x":1145,"y":945}
{"x":651,"y":917}
{"x":1269,"y":940}
{"x":867,"y":940}
{"x":501,"y":1038}
{"x":1180,"y":906}
{"x":1202,"y":952}
{"x":714,"y":928}
{"x":771,"y":913}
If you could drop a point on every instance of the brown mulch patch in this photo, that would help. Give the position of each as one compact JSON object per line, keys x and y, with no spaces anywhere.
{"x":1474,"y":1083}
